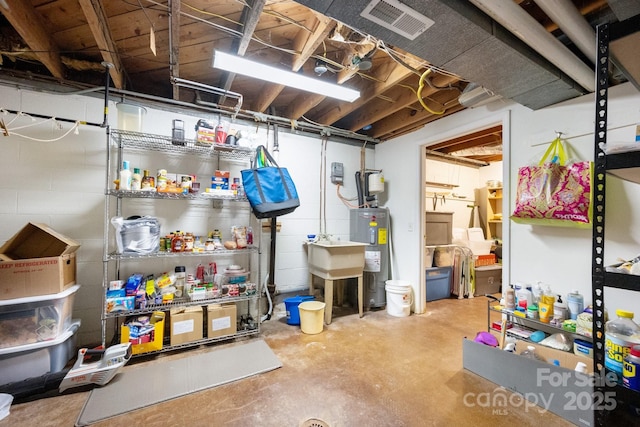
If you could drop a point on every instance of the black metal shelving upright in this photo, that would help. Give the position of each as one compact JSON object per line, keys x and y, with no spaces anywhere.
{"x":625,"y":166}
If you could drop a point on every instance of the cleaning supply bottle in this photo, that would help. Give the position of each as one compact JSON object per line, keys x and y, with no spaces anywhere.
{"x":524,"y":297}
{"x":530,"y":353}
{"x":575,"y":302}
{"x":136,"y":180}
{"x":631,"y":374}
{"x":619,"y":336}
{"x":545,"y":306}
{"x":537,"y":293}
{"x":125,"y":176}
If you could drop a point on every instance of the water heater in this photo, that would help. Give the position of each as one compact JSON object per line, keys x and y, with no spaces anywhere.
{"x":370,"y":225}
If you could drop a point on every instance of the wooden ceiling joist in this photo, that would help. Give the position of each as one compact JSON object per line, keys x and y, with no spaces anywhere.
{"x":487,"y":136}
{"x":250,"y":18}
{"x":99,"y":25}
{"x":305,"y":44}
{"x":385,"y":76}
{"x":27,"y":22}
{"x":401,"y":99}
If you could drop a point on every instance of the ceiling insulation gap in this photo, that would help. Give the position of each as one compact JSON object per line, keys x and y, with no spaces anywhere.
{"x":397,"y":17}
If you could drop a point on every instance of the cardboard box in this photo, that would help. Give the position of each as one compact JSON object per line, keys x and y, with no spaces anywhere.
{"x":186,"y":324}
{"x":221,"y":320}
{"x":148,"y":342}
{"x":37,"y":261}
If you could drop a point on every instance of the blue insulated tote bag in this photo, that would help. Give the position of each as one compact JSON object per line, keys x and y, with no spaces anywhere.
{"x":269,"y":188}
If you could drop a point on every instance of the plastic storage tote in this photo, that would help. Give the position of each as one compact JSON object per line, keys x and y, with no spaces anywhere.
{"x":33,"y":319}
{"x":33,"y":360}
{"x":438,"y":283}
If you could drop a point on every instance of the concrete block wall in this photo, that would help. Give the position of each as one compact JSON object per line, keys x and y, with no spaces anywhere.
{"x":61,"y":183}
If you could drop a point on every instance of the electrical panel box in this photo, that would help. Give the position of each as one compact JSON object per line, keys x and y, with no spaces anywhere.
{"x":337,"y":173}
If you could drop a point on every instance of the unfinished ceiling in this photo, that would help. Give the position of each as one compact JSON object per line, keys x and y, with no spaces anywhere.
{"x":439,"y":49}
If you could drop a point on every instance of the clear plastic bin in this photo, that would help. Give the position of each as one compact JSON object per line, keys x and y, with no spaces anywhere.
{"x":33,"y":319}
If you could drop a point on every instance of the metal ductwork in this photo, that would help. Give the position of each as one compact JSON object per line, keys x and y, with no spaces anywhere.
{"x":464,"y":40}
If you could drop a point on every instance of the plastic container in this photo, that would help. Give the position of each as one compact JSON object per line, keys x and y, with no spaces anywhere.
{"x":631,"y":373}
{"x":399,"y":297}
{"x":5,"y":404}
{"x":537,"y":293}
{"x":125,"y":176}
{"x":510,"y":298}
{"x":560,"y":311}
{"x":311,"y":317}
{"x":524,"y":297}
{"x":140,"y":235}
{"x":582,"y":348}
{"x":575,"y":304}
{"x":33,"y":319}
{"x":181,"y":280}
{"x":291,"y":305}
{"x":236,"y":275}
{"x":620,"y":335}
{"x":530,"y":353}
{"x":438,"y":283}
{"x":545,"y":306}
{"x":33,"y":360}
{"x":130,"y":117}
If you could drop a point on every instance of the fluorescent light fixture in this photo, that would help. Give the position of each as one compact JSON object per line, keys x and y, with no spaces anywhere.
{"x":240,"y":65}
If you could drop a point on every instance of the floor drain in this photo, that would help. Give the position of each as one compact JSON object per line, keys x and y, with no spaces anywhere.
{"x":314,"y":422}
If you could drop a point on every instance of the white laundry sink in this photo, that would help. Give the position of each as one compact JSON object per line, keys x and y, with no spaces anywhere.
{"x":336,"y":259}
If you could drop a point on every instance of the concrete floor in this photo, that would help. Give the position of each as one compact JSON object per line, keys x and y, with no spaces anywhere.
{"x":377,"y":370}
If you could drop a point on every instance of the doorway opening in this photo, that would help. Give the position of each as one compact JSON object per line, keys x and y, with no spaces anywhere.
{"x":464,"y":189}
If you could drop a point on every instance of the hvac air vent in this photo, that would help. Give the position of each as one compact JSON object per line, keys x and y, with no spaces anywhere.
{"x":395,"y":16}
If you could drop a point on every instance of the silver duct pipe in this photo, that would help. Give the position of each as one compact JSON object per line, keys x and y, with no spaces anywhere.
{"x":573,"y":24}
{"x":514,"y":18}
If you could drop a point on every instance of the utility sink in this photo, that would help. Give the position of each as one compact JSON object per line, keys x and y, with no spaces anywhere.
{"x":336,"y":259}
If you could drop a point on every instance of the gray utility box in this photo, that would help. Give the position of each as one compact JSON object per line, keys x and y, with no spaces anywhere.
{"x":438,"y":228}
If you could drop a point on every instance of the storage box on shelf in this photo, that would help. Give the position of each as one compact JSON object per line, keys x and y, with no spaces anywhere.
{"x":144,"y":337}
{"x":25,"y":361}
{"x":37,"y":261}
{"x":438,"y":228}
{"x":221,"y":320}
{"x":185,"y":311}
{"x":186,"y":324}
{"x":32,"y":319}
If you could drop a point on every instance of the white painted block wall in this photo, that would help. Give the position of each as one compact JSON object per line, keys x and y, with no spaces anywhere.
{"x":62,"y":184}
{"x":560,"y":257}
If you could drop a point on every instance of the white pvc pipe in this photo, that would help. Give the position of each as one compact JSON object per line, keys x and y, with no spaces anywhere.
{"x":514,"y":18}
{"x":573,"y":24}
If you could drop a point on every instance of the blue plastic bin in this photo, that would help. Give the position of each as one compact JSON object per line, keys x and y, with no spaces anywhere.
{"x":291,"y":304}
{"x":438,"y":283}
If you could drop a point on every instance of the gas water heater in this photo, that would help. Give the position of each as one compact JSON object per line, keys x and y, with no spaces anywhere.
{"x":370,"y":225}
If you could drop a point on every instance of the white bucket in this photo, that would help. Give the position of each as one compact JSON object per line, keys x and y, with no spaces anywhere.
{"x":399,"y":297}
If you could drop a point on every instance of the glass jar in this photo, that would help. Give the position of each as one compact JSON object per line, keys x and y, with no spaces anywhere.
{"x":181,"y":275}
{"x":188,"y":242}
{"x":209,"y":246}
